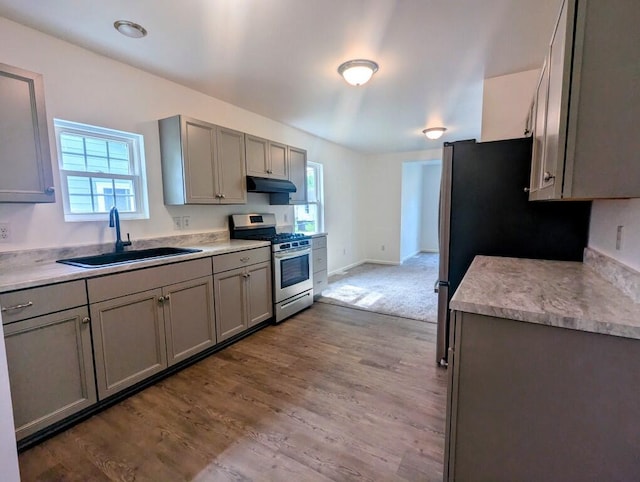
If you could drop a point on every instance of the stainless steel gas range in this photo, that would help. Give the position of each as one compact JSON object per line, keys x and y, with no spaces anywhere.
{"x":291,"y":261}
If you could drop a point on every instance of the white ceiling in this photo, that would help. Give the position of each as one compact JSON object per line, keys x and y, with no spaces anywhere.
{"x":279,"y":58}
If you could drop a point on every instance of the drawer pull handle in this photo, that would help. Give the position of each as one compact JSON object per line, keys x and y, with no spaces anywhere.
{"x":244,"y":260}
{"x":86,"y":320}
{"x":18,"y":307}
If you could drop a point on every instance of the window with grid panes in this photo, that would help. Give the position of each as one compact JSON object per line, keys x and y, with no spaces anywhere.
{"x":309,"y":218}
{"x":100,"y":168}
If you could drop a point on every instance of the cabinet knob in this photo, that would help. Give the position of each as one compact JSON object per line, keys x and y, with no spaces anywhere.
{"x":245,"y":259}
{"x":161,"y":299}
{"x":527,"y":189}
{"x":86,"y":320}
{"x":166,"y":297}
{"x":222,"y":196}
{"x":548,"y":176}
{"x":50,"y":190}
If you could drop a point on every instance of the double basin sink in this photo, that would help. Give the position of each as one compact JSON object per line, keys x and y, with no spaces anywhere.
{"x":109,"y":259}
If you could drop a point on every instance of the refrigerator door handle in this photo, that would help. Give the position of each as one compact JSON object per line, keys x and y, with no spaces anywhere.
{"x":438,"y":284}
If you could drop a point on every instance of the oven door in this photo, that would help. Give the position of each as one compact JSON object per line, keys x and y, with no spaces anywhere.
{"x":292,"y":273}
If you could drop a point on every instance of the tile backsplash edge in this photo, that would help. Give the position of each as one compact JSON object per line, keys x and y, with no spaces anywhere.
{"x":16,"y":259}
{"x":623,"y":277}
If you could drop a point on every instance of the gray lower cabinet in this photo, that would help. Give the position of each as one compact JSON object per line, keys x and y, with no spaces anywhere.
{"x":530,"y":402}
{"x":189,"y":318}
{"x":129,"y":339}
{"x":140,"y":334}
{"x":320,"y":277}
{"x":242,"y":294}
{"x":50,"y":368}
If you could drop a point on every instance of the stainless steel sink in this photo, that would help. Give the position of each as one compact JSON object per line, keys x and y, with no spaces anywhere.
{"x":108,"y":259}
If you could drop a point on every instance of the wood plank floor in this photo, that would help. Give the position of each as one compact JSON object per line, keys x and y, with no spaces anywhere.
{"x":331,"y":394}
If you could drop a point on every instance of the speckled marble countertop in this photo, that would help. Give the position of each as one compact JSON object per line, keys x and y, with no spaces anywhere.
{"x":28,"y":274}
{"x":556,"y":293}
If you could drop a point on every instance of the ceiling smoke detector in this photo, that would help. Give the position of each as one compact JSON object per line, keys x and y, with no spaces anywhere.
{"x":434,"y":132}
{"x":130,"y":29}
{"x":358,"y":72}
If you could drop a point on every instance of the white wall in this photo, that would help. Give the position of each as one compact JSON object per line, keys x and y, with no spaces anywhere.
{"x":85,"y":87}
{"x":606,"y":216}
{"x":505,"y":104}
{"x":430,"y":204}
{"x":381,"y":203}
{"x":411,"y":209}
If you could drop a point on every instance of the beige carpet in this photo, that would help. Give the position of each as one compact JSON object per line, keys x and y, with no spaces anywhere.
{"x":405,"y":290}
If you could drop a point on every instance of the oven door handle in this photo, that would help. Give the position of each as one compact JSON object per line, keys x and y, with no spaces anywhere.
{"x":291,"y":253}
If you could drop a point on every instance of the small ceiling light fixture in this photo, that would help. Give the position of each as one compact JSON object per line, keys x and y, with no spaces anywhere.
{"x":434,"y":132}
{"x":358,"y":72}
{"x":130,"y":29}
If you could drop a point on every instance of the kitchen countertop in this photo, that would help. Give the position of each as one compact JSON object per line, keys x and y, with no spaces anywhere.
{"x":30,"y":275}
{"x":556,"y":293}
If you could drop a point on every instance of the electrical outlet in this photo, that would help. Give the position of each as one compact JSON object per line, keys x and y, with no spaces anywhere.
{"x":186,"y":222}
{"x":382,"y":248}
{"x":618,"y":238}
{"x":286,"y":217}
{"x":177,"y":222}
{"x":5,"y":233}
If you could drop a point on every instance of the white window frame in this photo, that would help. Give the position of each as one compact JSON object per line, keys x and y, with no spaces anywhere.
{"x":137,"y":167}
{"x":318,"y":168}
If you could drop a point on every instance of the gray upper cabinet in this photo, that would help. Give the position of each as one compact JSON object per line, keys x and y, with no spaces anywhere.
{"x":298,"y":175}
{"x":584,"y":144}
{"x":201,"y":163}
{"x":266,"y":158}
{"x":25,"y":158}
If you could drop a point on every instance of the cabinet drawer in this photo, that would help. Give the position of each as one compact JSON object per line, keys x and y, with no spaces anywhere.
{"x":225,"y":262}
{"x":319,"y":260}
{"x":319,"y":282}
{"x":23,"y":304}
{"x":121,"y":284}
{"x":320,"y":242}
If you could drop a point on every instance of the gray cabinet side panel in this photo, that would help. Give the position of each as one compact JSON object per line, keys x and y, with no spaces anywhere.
{"x":544,"y":403}
{"x":173,"y":181}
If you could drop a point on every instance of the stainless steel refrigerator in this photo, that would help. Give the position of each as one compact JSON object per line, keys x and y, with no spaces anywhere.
{"x":484,"y":209}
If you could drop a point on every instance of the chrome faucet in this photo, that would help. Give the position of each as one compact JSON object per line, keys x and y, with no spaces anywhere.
{"x":114,"y":220}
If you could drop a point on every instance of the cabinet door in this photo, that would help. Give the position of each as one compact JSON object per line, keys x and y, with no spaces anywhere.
{"x":188,"y":318}
{"x":50,"y":369}
{"x":298,"y":175}
{"x":539,"y":132}
{"x":259,"y":295}
{"x":129,"y":340}
{"x":25,"y":158}
{"x":279,"y":161}
{"x":556,"y":111}
{"x":230,"y":305}
{"x":257,"y":156}
{"x":199,"y":151}
{"x":231,"y":166}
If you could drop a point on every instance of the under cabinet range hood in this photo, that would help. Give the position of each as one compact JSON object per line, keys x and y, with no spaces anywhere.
{"x":263,"y":184}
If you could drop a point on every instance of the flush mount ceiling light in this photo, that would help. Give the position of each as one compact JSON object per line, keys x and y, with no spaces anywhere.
{"x":434,"y":132}
{"x":358,"y":72}
{"x":130,"y":29}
